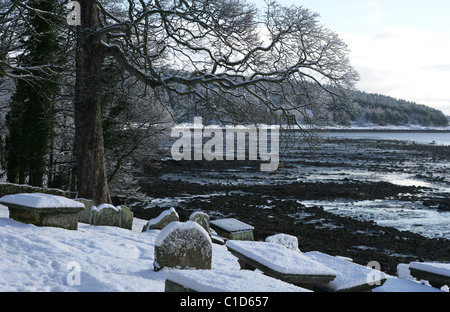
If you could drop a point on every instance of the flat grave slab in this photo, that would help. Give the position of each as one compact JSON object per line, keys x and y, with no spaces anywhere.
{"x":350,"y":277}
{"x":234,"y":229}
{"x":43,"y":209}
{"x":437,"y":274}
{"x":280,"y":262}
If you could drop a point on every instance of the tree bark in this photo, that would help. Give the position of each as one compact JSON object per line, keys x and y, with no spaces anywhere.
{"x":91,"y":172}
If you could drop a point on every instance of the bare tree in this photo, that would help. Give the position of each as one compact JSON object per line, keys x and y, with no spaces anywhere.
{"x":222,"y":54}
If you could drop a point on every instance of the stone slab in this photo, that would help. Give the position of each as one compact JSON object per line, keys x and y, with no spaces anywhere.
{"x":280,"y":262}
{"x":437,"y":274}
{"x":43,"y":209}
{"x":233,"y":229}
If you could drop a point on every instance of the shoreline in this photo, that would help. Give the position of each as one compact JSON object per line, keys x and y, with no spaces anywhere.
{"x":273,"y":203}
{"x":315,"y":228}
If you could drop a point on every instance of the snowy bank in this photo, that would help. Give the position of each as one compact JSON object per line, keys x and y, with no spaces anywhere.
{"x":101,"y":259}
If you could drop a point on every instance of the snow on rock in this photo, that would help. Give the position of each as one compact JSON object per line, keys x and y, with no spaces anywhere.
{"x":279,"y":258}
{"x":288,"y":241}
{"x":161,"y":221}
{"x":105,"y":206}
{"x":109,"y":259}
{"x":39,"y":200}
{"x":232,"y":225}
{"x":180,"y":226}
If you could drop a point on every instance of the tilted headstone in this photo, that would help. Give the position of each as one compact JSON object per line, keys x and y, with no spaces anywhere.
{"x":202,"y":219}
{"x":288,"y":241}
{"x":183,"y":246}
{"x":126,"y":218}
{"x":160,"y":222}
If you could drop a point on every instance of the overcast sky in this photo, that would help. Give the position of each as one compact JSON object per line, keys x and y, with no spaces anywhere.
{"x":400,"y":48}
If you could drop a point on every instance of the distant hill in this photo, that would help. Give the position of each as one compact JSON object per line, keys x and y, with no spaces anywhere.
{"x":384,"y":110}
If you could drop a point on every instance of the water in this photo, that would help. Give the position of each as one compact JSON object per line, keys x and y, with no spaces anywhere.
{"x":421,"y":137}
{"x":362,"y":159}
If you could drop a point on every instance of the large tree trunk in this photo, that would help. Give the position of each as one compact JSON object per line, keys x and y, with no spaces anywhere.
{"x":91,"y":173}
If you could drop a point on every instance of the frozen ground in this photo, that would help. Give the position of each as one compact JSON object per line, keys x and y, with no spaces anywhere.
{"x":102,"y":259}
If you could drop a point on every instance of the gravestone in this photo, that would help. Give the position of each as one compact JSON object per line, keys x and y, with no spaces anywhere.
{"x":183,"y":246}
{"x":85,"y":216}
{"x":202,"y":219}
{"x":160,"y":222}
{"x":288,"y":241}
{"x":105,"y":214}
{"x":126,"y":217}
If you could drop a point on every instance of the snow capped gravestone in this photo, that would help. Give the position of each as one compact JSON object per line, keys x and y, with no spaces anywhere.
{"x":202,"y":219}
{"x":106,"y":214}
{"x":183,"y":245}
{"x":288,"y":241}
{"x":160,"y":222}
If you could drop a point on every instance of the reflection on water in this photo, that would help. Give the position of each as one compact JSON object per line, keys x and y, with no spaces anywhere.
{"x":405,"y":216}
{"x":423,"y":137}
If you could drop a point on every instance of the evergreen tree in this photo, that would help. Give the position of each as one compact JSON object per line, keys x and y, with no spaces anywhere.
{"x":30,"y":121}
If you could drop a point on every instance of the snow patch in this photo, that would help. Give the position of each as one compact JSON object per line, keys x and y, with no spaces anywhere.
{"x":105,"y":206}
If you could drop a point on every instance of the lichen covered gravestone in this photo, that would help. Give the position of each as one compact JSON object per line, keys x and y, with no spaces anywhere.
{"x":106,"y":215}
{"x":85,"y":216}
{"x":183,"y":245}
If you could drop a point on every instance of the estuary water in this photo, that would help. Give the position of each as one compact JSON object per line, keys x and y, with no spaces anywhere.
{"x":420,"y":137}
{"x":406,"y":158}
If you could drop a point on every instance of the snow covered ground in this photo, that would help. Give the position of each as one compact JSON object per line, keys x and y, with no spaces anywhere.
{"x":99,"y":259}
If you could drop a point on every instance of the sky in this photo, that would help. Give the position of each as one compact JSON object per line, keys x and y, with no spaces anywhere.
{"x":400,"y":48}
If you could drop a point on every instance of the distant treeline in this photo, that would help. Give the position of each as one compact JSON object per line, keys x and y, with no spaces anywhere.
{"x":384,"y":110}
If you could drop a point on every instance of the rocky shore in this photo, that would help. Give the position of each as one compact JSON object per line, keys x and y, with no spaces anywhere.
{"x":276,"y":207}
